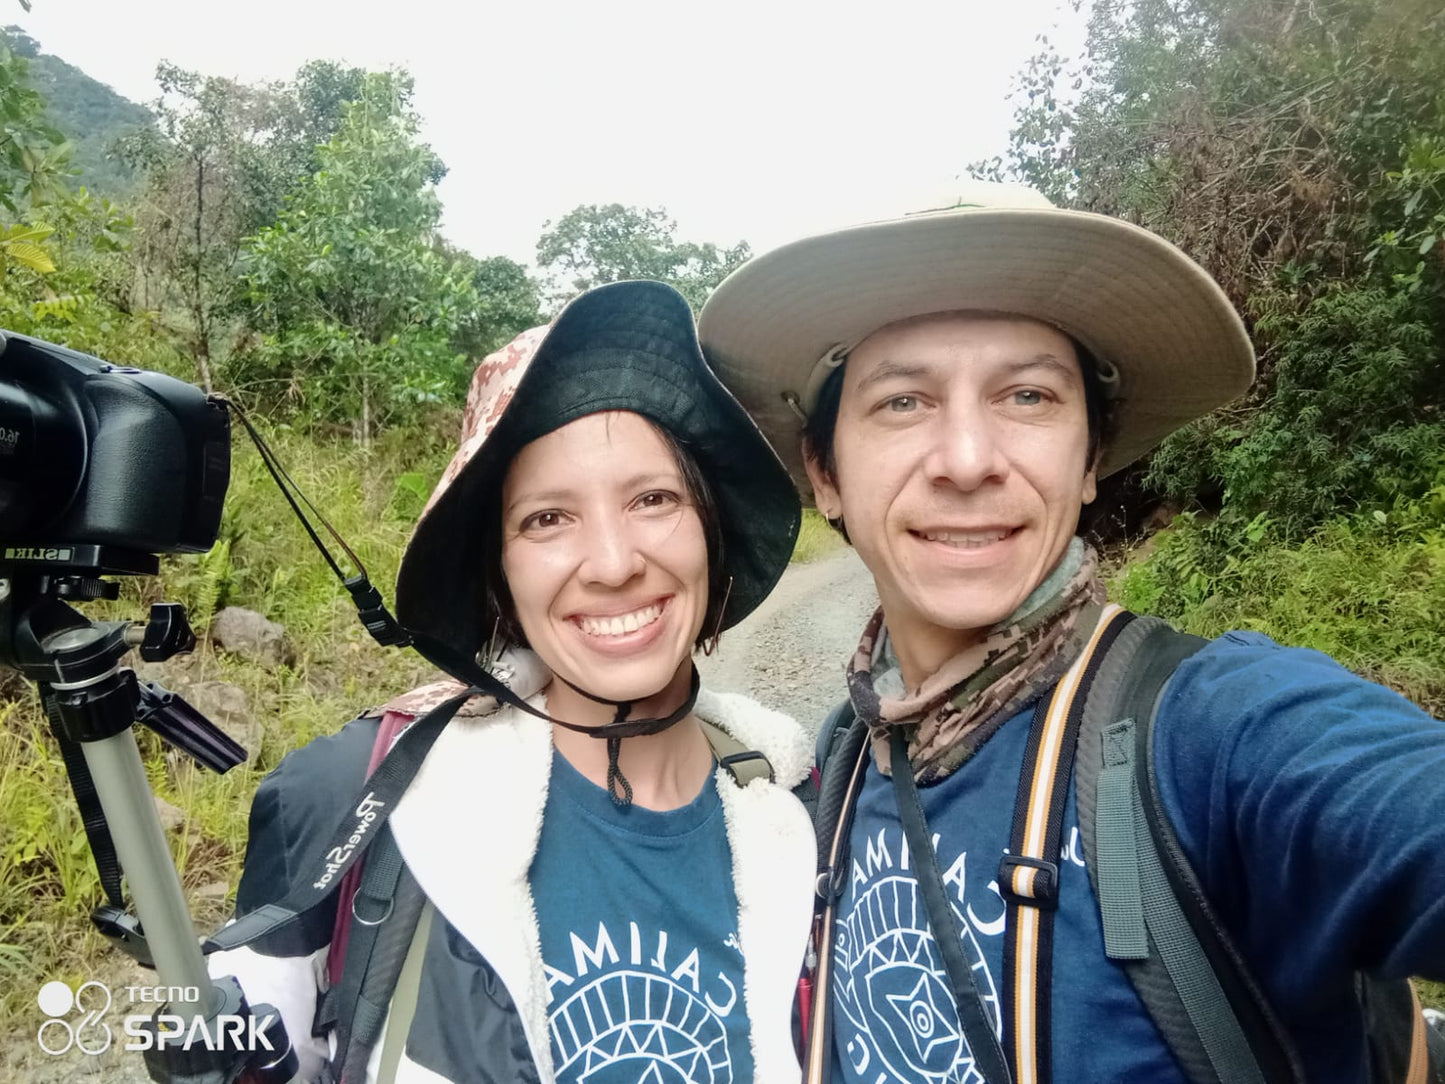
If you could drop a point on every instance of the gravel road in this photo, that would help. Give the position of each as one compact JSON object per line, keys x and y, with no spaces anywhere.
{"x":789,"y":654}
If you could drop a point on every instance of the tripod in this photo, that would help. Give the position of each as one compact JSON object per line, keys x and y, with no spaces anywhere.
{"x":92,"y":703}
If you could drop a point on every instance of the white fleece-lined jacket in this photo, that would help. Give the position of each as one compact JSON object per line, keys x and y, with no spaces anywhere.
{"x":467,"y":829}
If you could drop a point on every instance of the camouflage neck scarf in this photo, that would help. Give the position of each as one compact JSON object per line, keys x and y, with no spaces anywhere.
{"x":971,"y":695}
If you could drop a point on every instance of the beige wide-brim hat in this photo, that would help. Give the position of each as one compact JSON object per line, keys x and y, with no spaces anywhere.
{"x":777,"y":326}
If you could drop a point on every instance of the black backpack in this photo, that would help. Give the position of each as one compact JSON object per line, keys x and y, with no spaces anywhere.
{"x":1157,"y":922}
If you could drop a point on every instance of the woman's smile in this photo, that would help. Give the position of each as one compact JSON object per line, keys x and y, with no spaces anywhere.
{"x":618,"y":623}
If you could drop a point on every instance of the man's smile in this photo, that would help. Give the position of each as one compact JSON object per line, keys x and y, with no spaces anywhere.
{"x":964,"y":538}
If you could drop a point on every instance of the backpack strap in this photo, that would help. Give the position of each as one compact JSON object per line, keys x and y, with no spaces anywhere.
{"x":841,"y":781}
{"x":392,"y":724}
{"x":835,"y":725}
{"x":404,"y":999}
{"x":1028,"y":875}
{"x":742,"y":763}
{"x":1157,"y":923}
{"x":385,"y":911}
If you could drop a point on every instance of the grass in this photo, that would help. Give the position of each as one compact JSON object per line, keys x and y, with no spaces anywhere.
{"x":1432,"y":994}
{"x":1366,"y":591}
{"x":815,"y":538}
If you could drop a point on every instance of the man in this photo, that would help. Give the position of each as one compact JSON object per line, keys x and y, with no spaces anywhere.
{"x":951,"y":386}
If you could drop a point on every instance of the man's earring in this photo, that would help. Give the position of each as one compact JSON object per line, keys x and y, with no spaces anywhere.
{"x":710,"y":645}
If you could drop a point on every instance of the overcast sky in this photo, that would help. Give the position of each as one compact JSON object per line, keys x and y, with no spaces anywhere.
{"x":745,"y":119}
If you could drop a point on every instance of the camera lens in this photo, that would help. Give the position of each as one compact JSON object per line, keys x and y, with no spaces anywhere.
{"x":40,"y":462}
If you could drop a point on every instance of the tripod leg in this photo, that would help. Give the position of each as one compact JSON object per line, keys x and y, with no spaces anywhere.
{"x":140,"y":843}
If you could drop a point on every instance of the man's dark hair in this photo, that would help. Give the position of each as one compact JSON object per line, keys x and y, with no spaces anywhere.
{"x":498,"y":609}
{"x":818,"y":432}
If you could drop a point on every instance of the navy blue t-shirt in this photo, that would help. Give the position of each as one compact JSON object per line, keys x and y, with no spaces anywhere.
{"x":638,"y":921}
{"x":1312,"y":804}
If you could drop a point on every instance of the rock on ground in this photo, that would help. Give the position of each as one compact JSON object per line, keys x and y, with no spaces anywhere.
{"x":249,"y":634}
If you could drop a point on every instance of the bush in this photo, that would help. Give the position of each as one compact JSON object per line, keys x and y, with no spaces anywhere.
{"x":1354,"y":421}
{"x":1367,"y":590}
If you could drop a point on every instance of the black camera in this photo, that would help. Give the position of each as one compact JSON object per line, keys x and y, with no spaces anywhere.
{"x":97,"y":457}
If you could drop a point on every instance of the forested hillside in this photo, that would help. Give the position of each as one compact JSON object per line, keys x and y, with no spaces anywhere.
{"x":280,"y":243}
{"x":93,"y":118}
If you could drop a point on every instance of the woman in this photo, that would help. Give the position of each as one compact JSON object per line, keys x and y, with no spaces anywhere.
{"x":602,"y":901}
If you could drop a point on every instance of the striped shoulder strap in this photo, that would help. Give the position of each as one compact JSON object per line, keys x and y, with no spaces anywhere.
{"x":1028,"y":876}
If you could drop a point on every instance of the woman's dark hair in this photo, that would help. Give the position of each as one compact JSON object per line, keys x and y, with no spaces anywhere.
{"x":497,"y":607}
{"x":818,"y":432}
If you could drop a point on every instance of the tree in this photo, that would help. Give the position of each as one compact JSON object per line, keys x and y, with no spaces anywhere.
{"x":218,"y":167}
{"x":508,"y":302}
{"x":1296,"y":149}
{"x":358,"y":309}
{"x":597,"y":243}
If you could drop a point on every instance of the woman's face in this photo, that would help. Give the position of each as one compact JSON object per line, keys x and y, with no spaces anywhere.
{"x":604,"y":555}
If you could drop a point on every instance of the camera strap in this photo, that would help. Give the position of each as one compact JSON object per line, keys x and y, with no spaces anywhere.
{"x":367,"y":813}
{"x":375,"y":616}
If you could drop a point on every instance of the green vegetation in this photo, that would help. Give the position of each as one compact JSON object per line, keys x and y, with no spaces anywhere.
{"x":357,"y":311}
{"x":594,"y":243}
{"x":1298,"y":153}
{"x":815,"y":538}
{"x":92,"y":116}
{"x":1368,"y":590}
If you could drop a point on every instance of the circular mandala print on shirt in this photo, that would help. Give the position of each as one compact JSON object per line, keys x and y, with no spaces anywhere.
{"x":636,"y":1027}
{"x":892,"y":987}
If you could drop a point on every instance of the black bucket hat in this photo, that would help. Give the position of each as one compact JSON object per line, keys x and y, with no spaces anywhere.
{"x":624,"y":346}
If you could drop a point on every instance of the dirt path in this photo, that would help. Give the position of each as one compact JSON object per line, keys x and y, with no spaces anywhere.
{"x":790,"y":652}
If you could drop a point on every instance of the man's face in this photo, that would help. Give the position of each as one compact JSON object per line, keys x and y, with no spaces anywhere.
{"x":961,"y":451}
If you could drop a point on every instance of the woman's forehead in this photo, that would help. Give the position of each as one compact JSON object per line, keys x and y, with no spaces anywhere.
{"x":577,"y":454}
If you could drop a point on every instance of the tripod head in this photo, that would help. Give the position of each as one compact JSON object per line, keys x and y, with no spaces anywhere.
{"x":77,"y":661}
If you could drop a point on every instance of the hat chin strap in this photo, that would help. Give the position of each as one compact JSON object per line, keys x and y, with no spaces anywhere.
{"x":467,"y":670}
{"x":622,"y":727}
